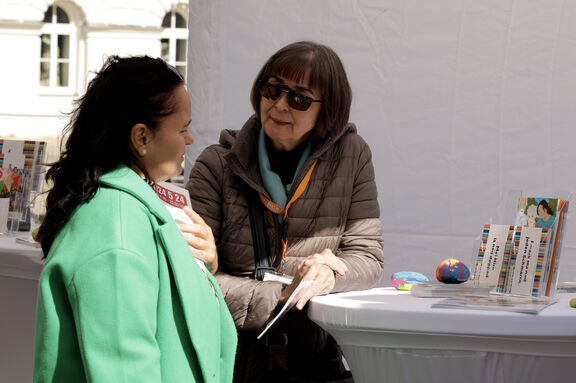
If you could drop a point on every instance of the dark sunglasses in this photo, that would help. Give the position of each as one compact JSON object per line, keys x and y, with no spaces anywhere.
{"x":295,"y":100}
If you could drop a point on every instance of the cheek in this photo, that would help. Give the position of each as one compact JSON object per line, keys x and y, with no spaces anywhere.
{"x":264,"y":107}
{"x":314,"y":117}
{"x":310,"y":122}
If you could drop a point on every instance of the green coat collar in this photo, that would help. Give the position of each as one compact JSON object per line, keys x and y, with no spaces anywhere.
{"x":125,"y":179}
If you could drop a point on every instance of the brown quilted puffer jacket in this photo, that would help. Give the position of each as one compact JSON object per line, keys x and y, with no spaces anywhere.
{"x":339,"y":210}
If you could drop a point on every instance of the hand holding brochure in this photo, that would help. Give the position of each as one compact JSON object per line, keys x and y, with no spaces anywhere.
{"x":175,"y":198}
{"x":289,"y":304}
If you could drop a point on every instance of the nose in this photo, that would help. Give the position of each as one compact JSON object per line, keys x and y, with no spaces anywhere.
{"x":189,"y":139}
{"x":282,"y":102}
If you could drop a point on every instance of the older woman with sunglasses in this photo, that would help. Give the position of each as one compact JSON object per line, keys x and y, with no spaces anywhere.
{"x":291,"y":197}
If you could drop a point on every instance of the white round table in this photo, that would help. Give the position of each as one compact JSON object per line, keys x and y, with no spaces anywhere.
{"x":392,"y":336}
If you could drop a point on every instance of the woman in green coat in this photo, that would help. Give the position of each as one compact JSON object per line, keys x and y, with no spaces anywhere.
{"x":122,"y":297}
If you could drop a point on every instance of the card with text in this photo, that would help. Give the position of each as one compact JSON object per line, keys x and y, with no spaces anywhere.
{"x":493,"y":254}
{"x":175,"y":198}
{"x":529,"y":253}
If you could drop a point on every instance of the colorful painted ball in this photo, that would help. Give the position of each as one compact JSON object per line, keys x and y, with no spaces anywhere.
{"x":573,"y":302}
{"x":452,"y":271}
{"x":403,"y":280}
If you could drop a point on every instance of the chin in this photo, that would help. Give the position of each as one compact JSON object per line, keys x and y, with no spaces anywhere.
{"x":163,"y":178}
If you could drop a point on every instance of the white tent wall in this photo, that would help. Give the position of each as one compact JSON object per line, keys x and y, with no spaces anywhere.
{"x":460,"y":101}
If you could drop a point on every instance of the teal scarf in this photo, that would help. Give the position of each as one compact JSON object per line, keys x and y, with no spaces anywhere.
{"x":272,"y":181}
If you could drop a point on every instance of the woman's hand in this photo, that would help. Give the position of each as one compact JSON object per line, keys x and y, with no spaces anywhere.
{"x":320,"y":268}
{"x":200,"y":239}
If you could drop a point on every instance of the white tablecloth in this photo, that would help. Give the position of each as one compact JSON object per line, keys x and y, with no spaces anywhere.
{"x":391,"y":336}
{"x":18,"y":260}
{"x":20,"y":267}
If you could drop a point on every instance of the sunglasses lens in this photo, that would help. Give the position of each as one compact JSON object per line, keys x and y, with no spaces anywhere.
{"x":270,"y":91}
{"x":299,"y":102}
{"x":295,"y":100}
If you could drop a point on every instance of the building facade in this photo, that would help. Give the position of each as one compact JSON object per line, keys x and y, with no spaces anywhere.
{"x":50,"y":49}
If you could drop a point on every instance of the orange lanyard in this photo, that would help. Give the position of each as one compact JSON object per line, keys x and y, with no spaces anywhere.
{"x":274,"y":208}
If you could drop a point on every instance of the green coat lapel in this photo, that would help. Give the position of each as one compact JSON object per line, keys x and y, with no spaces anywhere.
{"x":195,"y":291}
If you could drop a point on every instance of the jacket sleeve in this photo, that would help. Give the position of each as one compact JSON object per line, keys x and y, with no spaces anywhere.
{"x":252,"y":303}
{"x":361,"y":246}
{"x":117,"y":293}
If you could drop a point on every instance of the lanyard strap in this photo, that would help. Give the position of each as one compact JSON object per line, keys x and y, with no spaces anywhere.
{"x":274,"y":208}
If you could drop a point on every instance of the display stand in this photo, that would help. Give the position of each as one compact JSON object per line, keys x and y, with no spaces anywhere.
{"x":21,"y":170}
{"x":518,"y":258}
{"x":520,"y":255}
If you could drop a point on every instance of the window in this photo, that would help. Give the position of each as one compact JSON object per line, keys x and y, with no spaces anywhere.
{"x":174,"y":42}
{"x":56,"y":49}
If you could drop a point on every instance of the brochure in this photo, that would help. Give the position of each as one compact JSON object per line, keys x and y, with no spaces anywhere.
{"x":528,"y":305}
{"x":529,"y":254}
{"x":445,"y":290}
{"x":551,"y":268}
{"x":28,"y":241}
{"x":545,"y":213}
{"x":493,"y":255}
{"x":175,"y":198}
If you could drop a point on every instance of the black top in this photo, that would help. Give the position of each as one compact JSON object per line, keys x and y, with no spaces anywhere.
{"x":284,"y":163}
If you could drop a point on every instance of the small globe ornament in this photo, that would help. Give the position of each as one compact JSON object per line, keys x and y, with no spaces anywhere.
{"x":452,"y":271}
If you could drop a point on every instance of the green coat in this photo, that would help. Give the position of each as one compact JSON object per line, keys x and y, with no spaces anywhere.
{"x":122,"y":299}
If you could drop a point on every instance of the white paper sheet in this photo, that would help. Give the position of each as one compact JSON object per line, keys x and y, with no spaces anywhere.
{"x":288,"y":305}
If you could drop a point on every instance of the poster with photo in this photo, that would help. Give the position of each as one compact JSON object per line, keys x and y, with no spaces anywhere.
{"x":21,"y":171}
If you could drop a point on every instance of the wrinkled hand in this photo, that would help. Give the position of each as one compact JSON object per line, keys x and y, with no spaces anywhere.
{"x":320,"y":268}
{"x":200,"y":239}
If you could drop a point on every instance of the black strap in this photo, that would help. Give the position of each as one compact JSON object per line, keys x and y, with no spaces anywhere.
{"x":259,"y":237}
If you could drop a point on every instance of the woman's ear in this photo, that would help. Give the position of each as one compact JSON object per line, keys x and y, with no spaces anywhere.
{"x":140,"y":137}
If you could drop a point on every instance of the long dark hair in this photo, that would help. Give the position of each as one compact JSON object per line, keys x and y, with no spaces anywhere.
{"x":546,"y":207}
{"x":125,"y":92}
{"x":326,"y":73}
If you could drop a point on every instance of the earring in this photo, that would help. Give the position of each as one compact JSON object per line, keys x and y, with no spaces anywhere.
{"x":142,"y":152}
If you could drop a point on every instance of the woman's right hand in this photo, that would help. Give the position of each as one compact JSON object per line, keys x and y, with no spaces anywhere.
{"x":200,"y":239}
{"x":319,"y":268}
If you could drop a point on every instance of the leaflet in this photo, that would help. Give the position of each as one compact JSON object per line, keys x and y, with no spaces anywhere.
{"x":175,"y":198}
{"x":288,"y":305}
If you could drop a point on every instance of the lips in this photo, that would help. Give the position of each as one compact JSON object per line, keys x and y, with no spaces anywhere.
{"x":279,"y":122}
